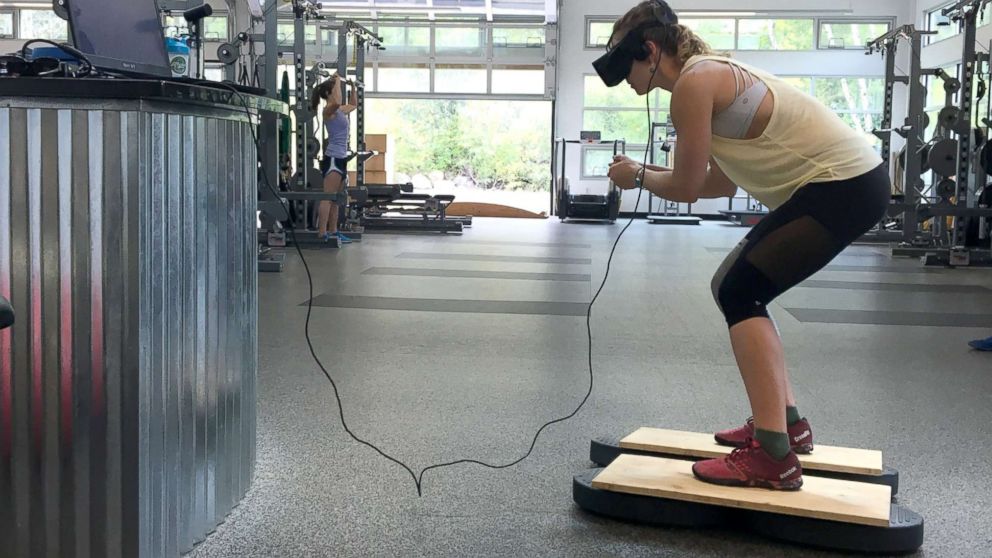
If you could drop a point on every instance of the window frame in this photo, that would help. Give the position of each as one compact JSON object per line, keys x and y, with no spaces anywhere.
{"x":930,"y":24}
{"x":824,"y":45}
{"x":590,"y":19}
{"x":13,"y":22}
{"x":485,"y":58}
{"x":737,"y":31}
{"x":227,"y":30}
{"x":18,"y":20}
{"x":818,"y":44}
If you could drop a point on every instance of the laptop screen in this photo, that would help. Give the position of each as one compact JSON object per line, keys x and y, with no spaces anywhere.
{"x":123,"y":36}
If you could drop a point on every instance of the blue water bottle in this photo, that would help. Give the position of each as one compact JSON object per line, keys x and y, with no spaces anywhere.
{"x":178,"y":56}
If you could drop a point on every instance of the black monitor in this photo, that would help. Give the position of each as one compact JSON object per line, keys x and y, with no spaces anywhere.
{"x":120,"y":36}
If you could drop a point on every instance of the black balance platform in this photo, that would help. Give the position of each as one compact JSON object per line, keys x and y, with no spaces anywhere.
{"x":604,"y":450}
{"x":660,"y":219}
{"x":303,"y":237}
{"x":903,"y":534}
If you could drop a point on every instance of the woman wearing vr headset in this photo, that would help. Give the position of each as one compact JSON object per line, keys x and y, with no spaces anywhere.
{"x":825,"y":184}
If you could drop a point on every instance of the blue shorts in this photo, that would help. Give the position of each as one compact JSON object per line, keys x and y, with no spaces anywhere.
{"x":333,"y":164}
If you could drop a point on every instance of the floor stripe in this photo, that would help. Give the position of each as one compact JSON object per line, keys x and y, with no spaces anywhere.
{"x":882,"y":269}
{"x":457,"y":306}
{"x":857,"y":254}
{"x":867,"y":317}
{"x":490,"y":258}
{"x":896,"y":287}
{"x":467,"y":274}
{"x":515,"y":243}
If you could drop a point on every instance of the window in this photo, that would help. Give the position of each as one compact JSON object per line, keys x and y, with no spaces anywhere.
{"x":460,"y":41}
{"x":405,"y":41}
{"x":460,"y":79}
{"x":6,"y":24}
{"x":286,"y":34}
{"x":596,"y":161}
{"x":453,"y":59}
{"x":618,"y":113}
{"x":721,"y":34}
{"x":518,"y":80}
{"x":175,"y":26}
{"x":850,"y":35}
{"x":215,"y":73}
{"x":859,"y":101}
{"x":473,"y":144}
{"x":511,"y":42}
{"x":215,"y":28}
{"x":416,"y":79}
{"x":936,"y":96}
{"x":598,"y":32}
{"x":42,"y":24}
{"x":943,"y":25}
{"x":775,"y":34}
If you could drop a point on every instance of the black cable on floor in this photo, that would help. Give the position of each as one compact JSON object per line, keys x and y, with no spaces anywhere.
{"x":418,"y":479}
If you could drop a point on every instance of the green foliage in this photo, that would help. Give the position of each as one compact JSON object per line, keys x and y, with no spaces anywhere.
{"x":496,"y":144}
{"x":776,"y":34}
{"x":851,"y":94}
{"x":719,"y":33}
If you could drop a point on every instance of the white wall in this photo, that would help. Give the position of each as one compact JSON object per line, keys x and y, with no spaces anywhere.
{"x":575,"y":62}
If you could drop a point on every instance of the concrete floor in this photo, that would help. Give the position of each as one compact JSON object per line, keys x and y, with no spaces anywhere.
{"x":429,"y":387}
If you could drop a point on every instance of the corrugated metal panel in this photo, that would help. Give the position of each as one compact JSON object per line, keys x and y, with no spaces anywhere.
{"x":127,"y":387}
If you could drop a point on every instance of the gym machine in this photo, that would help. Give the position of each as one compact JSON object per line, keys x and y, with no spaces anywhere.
{"x":749,"y":217}
{"x":583,"y":207}
{"x":382,"y":207}
{"x":945,"y":222}
{"x":662,"y":142}
{"x":302,"y":186}
{"x":908,"y":184}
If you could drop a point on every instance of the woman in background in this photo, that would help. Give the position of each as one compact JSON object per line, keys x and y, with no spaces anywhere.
{"x":334,"y":165}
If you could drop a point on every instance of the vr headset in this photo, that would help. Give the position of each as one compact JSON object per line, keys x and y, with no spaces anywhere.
{"x":614,"y":66}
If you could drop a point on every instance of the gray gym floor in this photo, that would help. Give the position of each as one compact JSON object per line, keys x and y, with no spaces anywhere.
{"x":461,"y":347}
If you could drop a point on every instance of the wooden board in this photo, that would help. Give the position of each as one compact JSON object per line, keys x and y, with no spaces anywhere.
{"x":694,"y":444}
{"x":492,"y":210}
{"x":820,"y":498}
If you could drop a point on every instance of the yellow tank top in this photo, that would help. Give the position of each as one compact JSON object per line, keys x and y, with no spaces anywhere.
{"x":804,"y":142}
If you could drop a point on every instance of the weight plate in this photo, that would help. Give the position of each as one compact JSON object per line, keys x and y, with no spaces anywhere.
{"x":949,"y":117}
{"x":943,"y":157}
{"x":227,"y":53}
{"x":946,"y":189}
{"x":313,"y":148}
{"x":60,"y":9}
{"x":986,"y":158}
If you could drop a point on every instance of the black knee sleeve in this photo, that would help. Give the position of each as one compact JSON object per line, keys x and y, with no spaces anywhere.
{"x":743,"y":293}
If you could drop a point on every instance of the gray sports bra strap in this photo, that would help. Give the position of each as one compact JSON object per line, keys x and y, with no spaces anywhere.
{"x":735,"y":121}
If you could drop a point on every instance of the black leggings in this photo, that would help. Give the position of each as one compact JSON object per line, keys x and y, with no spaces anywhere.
{"x":797,"y":240}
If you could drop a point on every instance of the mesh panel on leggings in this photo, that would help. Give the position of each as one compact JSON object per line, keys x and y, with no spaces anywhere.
{"x":793,"y":252}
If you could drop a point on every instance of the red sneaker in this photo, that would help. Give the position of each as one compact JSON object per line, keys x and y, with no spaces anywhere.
{"x":751,"y":466}
{"x":800,"y":435}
